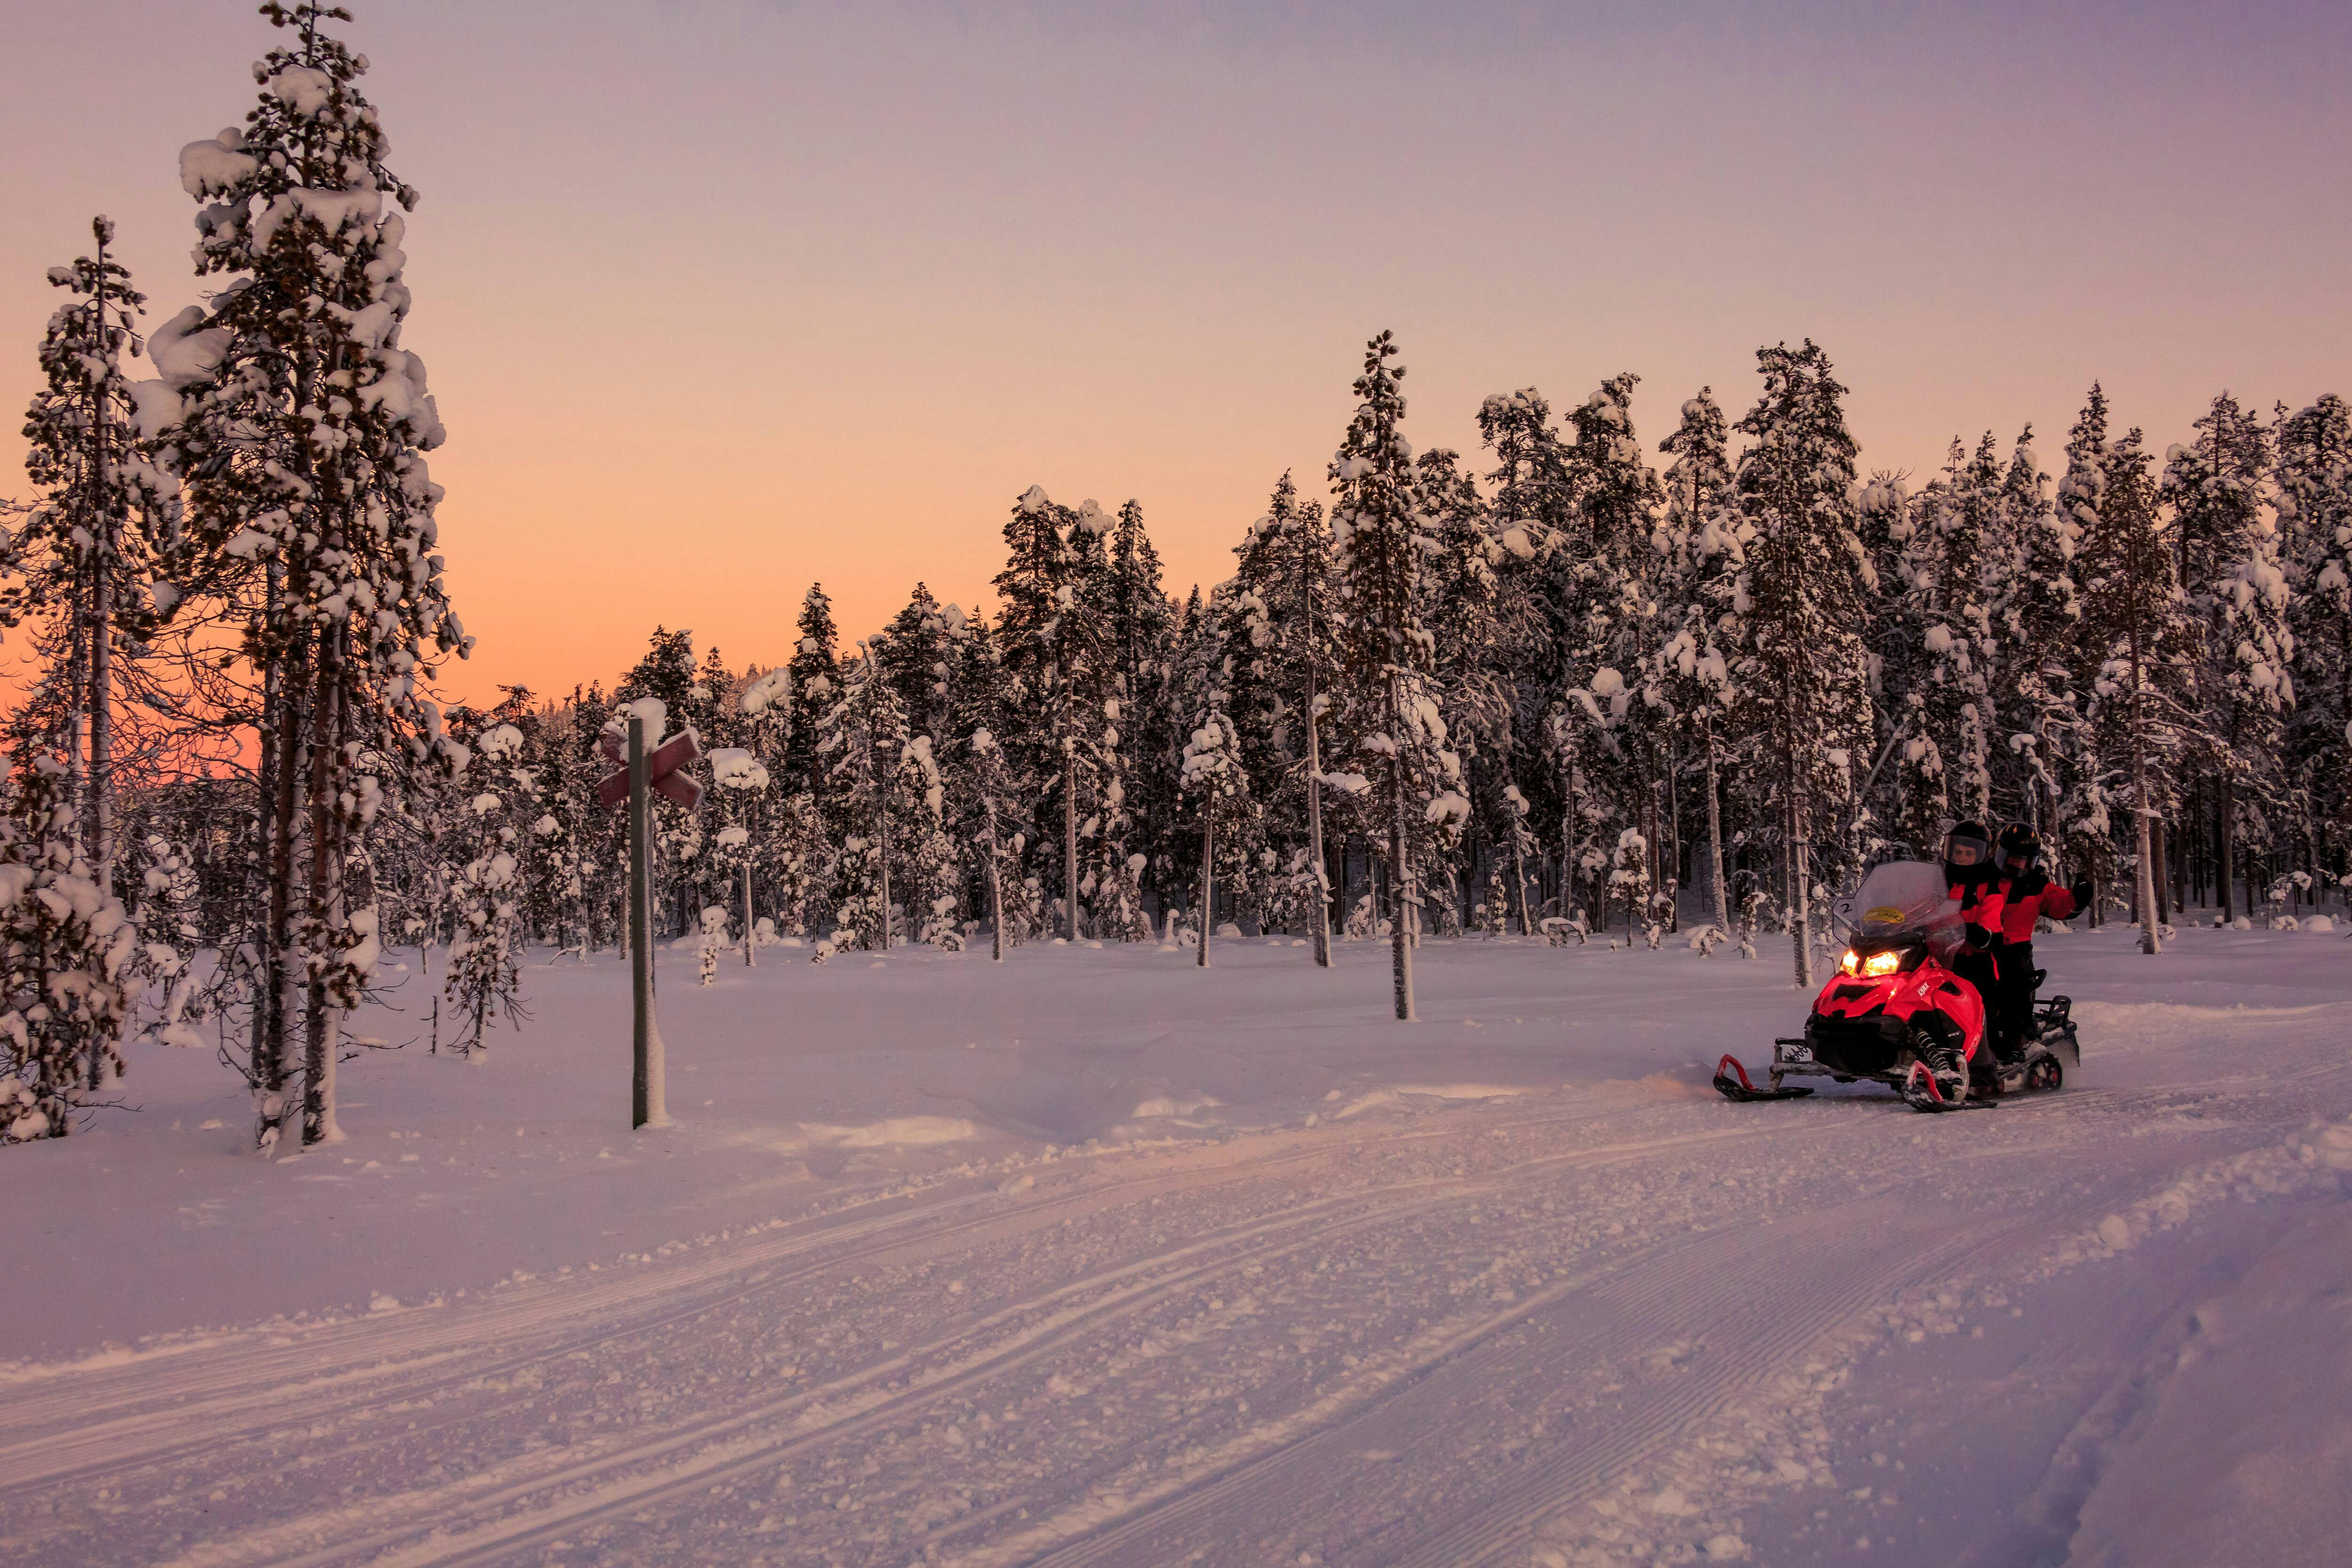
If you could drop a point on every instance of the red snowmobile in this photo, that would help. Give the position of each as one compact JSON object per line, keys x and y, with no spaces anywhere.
{"x":1896,"y":1014}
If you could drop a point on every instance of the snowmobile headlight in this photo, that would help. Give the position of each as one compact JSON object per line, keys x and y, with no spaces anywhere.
{"x":1885,"y":963}
{"x":1851,"y":963}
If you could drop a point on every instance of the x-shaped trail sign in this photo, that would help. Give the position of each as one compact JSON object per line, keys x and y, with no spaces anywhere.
{"x":665,"y":768}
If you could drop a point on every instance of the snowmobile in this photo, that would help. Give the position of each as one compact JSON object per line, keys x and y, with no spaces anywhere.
{"x":1895,"y":1012}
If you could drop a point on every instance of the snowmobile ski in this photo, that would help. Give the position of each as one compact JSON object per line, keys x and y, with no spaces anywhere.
{"x":1731,"y":1081}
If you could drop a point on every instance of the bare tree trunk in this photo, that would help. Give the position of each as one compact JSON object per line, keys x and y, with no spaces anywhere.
{"x":1208,"y":876}
{"x":995,"y":891}
{"x":751,"y":942}
{"x":2150,"y":917}
{"x":1800,"y":881}
{"x":2225,"y":849}
{"x":277,"y":978}
{"x":1070,"y":838}
{"x":1714,"y":837}
{"x":1520,"y":875}
{"x":1399,"y":870}
{"x":882,"y":814}
{"x":1321,"y":930}
{"x":321,"y":1033}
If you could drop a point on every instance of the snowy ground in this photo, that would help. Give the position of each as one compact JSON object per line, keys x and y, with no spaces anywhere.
{"x":1092,"y":1258}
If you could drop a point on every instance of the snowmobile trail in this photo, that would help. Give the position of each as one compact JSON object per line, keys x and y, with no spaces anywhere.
{"x":1610,"y":1322}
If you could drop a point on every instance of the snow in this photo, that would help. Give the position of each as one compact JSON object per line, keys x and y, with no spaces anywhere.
{"x":1089,"y":1255}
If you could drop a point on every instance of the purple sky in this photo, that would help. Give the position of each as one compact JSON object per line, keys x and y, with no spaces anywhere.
{"x":722,"y":298}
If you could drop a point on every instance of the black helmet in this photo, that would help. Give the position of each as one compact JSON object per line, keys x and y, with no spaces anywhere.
{"x":2020,"y":844}
{"x":1968,"y":846}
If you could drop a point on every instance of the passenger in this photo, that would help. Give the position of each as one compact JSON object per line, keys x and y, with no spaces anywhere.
{"x":2026,"y":896}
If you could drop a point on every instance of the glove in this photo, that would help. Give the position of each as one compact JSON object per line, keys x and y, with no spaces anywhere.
{"x":1978,"y":939}
{"x":2080,"y":892}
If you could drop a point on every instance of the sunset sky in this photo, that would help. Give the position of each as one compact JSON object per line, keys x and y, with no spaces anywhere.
{"x":722,"y":298}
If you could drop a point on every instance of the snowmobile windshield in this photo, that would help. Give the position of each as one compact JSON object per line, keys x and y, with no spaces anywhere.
{"x":1908,"y":901}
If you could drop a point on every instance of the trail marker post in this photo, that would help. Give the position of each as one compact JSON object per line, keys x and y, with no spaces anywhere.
{"x":642,"y":771}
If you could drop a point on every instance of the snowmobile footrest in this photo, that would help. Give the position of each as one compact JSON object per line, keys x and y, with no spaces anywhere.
{"x":1731,"y":1082}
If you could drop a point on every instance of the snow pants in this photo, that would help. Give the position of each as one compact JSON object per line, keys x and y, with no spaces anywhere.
{"x":2012,"y":999}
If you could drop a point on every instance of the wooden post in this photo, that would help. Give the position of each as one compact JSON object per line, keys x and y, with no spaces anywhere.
{"x":646,"y":1108}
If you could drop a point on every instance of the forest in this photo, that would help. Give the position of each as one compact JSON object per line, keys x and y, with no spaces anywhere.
{"x":1584,"y":685}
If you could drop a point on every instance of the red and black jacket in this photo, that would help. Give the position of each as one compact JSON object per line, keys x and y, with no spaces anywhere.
{"x":2026,"y":898}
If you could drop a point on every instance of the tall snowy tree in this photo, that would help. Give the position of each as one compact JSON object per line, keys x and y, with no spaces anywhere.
{"x":1285,"y":568}
{"x":303,"y":453}
{"x":1379,"y":532}
{"x":1806,"y":588}
{"x":2145,"y":635}
{"x":2315,"y":514}
{"x":1703,"y":549}
{"x":815,"y":668}
{"x":2227,"y":545}
{"x":89,"y":549}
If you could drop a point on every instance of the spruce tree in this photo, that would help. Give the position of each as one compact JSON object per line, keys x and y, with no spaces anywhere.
{"x":2140,"y":623}
{"x":1379,"y":530}
{"x":303,"y":452}
{"x":1701,"y":553}
{"x":1141,"y":624}
{"x":2315,"y":515}
{"x":815,"y":672}
{"x":1286,"y":569}
{"x":863,"y":746}
{"x":69,"y":958}
{"x":2227,"y":546}
{"x":89,"y":549}
{"x":1807,"y":596}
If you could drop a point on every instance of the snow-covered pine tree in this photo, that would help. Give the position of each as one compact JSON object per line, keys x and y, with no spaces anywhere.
{"x":2227,"y":543}
{"x":1936,"y":647}
{"x":863,"y":739}
{"x":914,"y":652}
{"x":2145,"y":635}
{"x":928,"y":880}
{"x":2082,"y":816}
{"x":740,"y":782}
{"x":1459,"y":595}
{"x":303,"y":449}
{"x":1703,"y":550}
{"x":1611,"y":651}
{"x":1216,"y":782}
{"x":1286,"y":603}
{"x":1379,"y":532}
{"x":71,"y":961}
{"x":1058,"y":665}
{"x":88,"y":549}
{"x":1141,"y":624}
{"x":2038,"y":616}
{"x":1533,"y":516}
{"x":991,"y":812}
{"x":2314,"y":512}
{"x":1806,"y":591}
{"x":815,"y":671}
{"x":484,"y":964}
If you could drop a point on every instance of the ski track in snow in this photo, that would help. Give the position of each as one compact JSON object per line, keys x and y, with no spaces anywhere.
{"x":1543,"y":1328}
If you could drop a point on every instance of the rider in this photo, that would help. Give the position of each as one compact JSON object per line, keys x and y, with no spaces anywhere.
{"x":2027,"y":895}
{"x":1974,"y":881}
